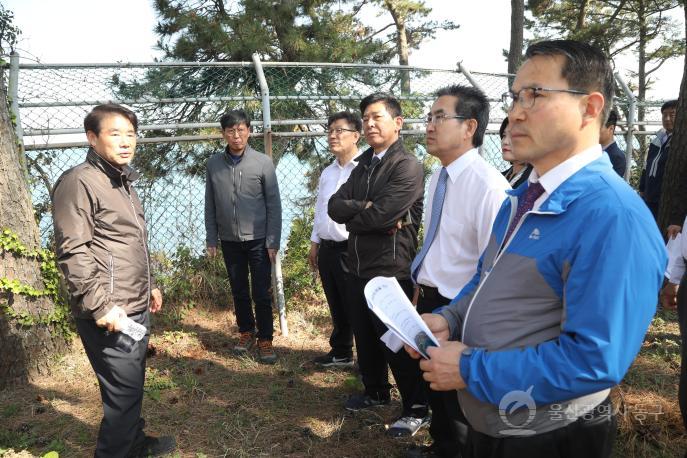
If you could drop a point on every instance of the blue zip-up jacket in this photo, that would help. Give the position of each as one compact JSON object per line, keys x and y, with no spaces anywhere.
{"x":563,"y":309}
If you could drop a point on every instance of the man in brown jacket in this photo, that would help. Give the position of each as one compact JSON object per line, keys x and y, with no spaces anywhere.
{"x":100,"y":239}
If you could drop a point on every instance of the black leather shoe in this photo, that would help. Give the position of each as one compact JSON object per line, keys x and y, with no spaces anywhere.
{"x":153,"y":446}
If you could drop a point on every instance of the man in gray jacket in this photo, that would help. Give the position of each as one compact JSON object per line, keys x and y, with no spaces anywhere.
{"x":243,"y":213}
{"x":100,"y":239}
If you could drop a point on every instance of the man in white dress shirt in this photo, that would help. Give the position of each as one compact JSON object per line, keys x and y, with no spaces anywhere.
{"x":474,"y":192}
{"x":329,"y":240}
{"x":674,"y":294}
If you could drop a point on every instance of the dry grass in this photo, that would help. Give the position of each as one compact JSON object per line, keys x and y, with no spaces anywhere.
{"x":218,"y":404}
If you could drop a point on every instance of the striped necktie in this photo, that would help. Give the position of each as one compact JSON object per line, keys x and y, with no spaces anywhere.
{"x":437,"y":204}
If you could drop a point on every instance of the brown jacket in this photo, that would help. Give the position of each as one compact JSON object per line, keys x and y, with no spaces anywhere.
{"x":100,"y":239}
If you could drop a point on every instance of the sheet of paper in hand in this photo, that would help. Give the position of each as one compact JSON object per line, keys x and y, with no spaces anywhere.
{"x":388,"y":301}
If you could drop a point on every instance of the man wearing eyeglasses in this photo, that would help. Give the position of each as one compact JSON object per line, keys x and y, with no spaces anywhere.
{"x":329,"y":240}
{"x":381,"y":206}
{"x":465,"y":196}
{"x":567,"y":285}
{"x":243,"y":213}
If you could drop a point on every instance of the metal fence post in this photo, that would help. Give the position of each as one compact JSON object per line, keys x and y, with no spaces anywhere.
{"x":629,"y":136}
{"x":277,"y":280}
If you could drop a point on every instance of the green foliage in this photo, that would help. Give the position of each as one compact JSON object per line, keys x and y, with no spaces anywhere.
{"x":297,"y":274}
{"x":9,"y":33}
{"x":187,"y":280}
{"x":157,"y":382}
{"x":58,"y":319}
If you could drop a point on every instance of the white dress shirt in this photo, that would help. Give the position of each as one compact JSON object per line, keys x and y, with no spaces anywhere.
{"x":677,"y":254}
{"x":557,"y":175}
{"x":474,"y":193}
{"x":331,"y":179}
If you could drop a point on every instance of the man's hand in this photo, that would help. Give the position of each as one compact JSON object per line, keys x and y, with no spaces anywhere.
{"x":442,"y":369}
{"x":155,"y":300}
{"x":673,"y":230}
{"x":112,"y":320}
{"x":368,"y":204}
{"x":439,"y":327}
{"x":212,"y":251}
{"x":312,"y":256}
{"x":669,"y":296}
{"x":272,"y":253}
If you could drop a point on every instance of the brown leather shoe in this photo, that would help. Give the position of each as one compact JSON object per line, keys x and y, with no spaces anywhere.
{"x":245,"y":343}
{"x":266,"y":352}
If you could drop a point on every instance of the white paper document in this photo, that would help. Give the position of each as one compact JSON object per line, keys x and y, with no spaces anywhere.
{"x":388,"y":301}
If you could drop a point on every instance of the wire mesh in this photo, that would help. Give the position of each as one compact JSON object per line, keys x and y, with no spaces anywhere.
{"x":186,"y":100}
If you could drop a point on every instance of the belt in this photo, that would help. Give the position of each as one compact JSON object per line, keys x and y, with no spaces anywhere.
{"x":430,"y":292}
{"x":332,"y":244}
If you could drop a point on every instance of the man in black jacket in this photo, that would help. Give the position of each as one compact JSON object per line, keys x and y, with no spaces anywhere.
{"x":610,"y":147}
{"x":381,"y":205}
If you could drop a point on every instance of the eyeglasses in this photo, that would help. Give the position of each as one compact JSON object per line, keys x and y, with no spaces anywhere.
{"x":437,"y":120}
{"x":527,"y":95}
{"x":234,"y":132}
{"x":339,"y":131}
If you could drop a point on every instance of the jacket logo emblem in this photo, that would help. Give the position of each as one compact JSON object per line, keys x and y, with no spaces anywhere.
{"x":535,"y":234}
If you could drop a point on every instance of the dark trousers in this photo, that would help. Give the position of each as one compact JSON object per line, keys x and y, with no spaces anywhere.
{"x":334,"y":285}
{"x":374,"y":357}
{"x":591,"y":437}
{"x":682,"y":319}
{"x":121,"y":376}
{"x":449,"y":426}
{"x":239,"y":257}
{"x":653,"y":207}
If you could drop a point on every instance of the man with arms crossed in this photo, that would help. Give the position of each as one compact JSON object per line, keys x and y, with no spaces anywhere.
{"x":456,"y":230}
{"x":100,"y":239}
{"x":567,"y":286}
{"x":381,"y":205}
{"x":243,"y":213}
{"x":329,"y":240}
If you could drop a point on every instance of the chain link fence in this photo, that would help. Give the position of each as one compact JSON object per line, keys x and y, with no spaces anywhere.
{"x":179,"y":106}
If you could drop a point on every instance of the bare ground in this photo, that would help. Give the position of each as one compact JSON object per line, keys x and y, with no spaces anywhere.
{"x":218,"y":404}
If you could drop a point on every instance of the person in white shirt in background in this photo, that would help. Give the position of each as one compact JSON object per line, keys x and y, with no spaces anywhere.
{"x":329,"y":240}
{"x":474,"y":192}
{"x":674,"y":295}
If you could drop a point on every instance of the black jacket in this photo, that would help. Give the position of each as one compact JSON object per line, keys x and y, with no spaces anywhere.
{"x":651,"y":182}
{"x":395,"y":188}
{"x":617,"y":157}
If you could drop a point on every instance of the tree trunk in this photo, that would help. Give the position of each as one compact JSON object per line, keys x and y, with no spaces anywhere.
{"x":25,"y":348}
{"x":401,"y":44}
{"x":641,"y":81}
{"x":581,"y":15}
{"x":673,"y":205}
{"x":517,"y":18}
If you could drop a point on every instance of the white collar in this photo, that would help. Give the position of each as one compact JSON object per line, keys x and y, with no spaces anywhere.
{"x":557,"y":175}
{"x":456,"y":167}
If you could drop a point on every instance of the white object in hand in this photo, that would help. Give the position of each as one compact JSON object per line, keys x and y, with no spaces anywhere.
{"x":132,"y":329}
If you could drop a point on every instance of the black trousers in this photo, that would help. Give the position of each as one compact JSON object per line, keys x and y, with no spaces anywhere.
{"x":449,"y":426}
{"x":591,"y":437}
{"x":329,"y":261}
{"x":374,"y":357}
{"x":682,"y":319}
{"x":121,"y":376}
{"x":239,"y":257}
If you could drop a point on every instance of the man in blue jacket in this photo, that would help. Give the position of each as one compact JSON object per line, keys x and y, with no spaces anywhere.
{"x":567,"y":285}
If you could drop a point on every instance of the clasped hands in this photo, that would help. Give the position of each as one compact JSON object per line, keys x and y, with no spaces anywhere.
{"x":442,"y":369}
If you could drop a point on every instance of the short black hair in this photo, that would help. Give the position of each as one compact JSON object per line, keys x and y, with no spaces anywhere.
{"x":472,"y":104}
{"x":612,"y":118}
{"x":353,"y":119}
{"x":586,"y":67}
{"x":91,"y":122}
{"x":504,"y":125}
{"x":234,"y":117}
{"x":669,"y":104}
{"x":390,"y":102}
